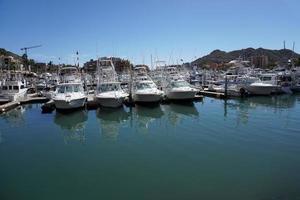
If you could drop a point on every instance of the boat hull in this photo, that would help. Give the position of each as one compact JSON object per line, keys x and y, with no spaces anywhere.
{"x":110,"y":102}
{"x":147,"y":98}
{"x":68,"y":105}
{"x":181,"y":95}
{"x":263,"y":90}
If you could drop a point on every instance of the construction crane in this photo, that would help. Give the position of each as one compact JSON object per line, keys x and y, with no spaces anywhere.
{"x":25,"y":53}
{"x":32,"y":47}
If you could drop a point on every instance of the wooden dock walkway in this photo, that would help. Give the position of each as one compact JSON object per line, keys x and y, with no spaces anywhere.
{"x":31,"y":99}
{"x":8,"y":106}
{"x":218,"y":95}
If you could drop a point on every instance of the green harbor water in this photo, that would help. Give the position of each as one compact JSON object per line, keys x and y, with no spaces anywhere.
{"x":236,"y":149}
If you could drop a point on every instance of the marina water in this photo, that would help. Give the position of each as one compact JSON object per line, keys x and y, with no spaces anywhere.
{"x":215,"y":149}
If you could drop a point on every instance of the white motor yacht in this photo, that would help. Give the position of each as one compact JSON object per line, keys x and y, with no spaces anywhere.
{"x":176,"y":88}
{"x":266,"y":85}
{"x":108,"y":92}
{"x":180,"y":90}
{"x":296,"y":80}
{"x":70,"y":92}
{"x":144,"y":89}
{"x":13,"y":88}
{"x":69,"y":96}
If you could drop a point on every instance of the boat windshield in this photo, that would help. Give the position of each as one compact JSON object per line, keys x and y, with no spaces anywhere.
{"x":69,"y":88}
{"x":4,"y":88}
{"x":178,"y":84}
{"x":142,"y":86}
{"x":108,"y":87}
{"x":266,"y":78}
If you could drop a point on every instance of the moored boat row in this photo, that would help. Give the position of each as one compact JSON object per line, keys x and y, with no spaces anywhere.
{"x":70,"y":87}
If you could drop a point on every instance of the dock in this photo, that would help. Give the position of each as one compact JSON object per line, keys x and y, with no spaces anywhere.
{"x":218,"y":95}
{"x":9,"y":106}
{"x":49,"y":106}
{"x":30,"y":99}
{"x":34,"y":100}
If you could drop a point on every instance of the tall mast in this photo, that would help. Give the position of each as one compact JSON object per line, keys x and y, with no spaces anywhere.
{"x":77,"y":59}
{"x":151,"y":61}
{"x":293,"y":47}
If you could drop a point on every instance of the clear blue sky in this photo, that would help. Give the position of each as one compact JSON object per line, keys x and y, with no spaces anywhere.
{"x":135,"y":29}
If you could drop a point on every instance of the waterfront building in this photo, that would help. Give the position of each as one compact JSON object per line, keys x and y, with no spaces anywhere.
{"x":261,"y":61}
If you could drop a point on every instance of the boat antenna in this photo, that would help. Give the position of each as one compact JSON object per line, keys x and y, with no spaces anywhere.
{"x":294,"y":47}
{"x":97,"y":56}
{"x":143,"y":58}
{"x":58,"y":65}
{"x":151,"y":61}
{"x":77,"y":59}
{"x":170,"y":58}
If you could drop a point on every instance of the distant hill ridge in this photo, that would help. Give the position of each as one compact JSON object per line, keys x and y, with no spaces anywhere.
{"x":274,"y":56}
{"x":219,"y":57}
{"x":4,"y":52}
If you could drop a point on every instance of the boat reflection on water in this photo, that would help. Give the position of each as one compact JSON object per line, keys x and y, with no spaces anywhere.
{"x":276,"y":102}
{"x":243,"y":106}
{"x":177,"y":112}
{"x":144,"y":116}
{"x":72,"y":125}
{"x":111,"y":120}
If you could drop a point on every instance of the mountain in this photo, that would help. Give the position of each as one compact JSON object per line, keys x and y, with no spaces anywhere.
{"x":4,"y":52}
{"x":274,"y":56}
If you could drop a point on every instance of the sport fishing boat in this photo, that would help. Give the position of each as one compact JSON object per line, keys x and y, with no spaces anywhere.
{"x":70,"y":92}
{"x":285,"y":82}
{"x":144,"y":89}
{"x":176,"y":88}
{"x":13,"y":88}
{"x":266,"y":85}
{"x":108,"y":92}
{"x":296,"y":80}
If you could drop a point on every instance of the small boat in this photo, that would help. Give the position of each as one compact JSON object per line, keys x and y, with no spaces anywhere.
{"x":176,"y":88}
{"x":296,"y":80}
{"x":13,"y":88}
{"x":70,"y":92}
{"x":41,"y":84}
{"x":108,"y":92}
{"x":266,"y":85}
{"x":180,"y":90}
{"x":285,"y":81}
{"x":144,"y":89}
{"x":69,"y":96}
